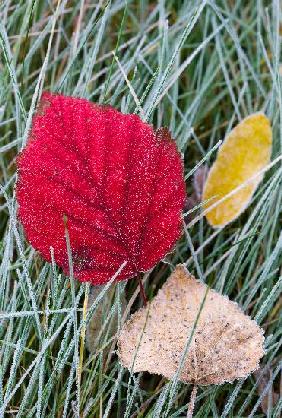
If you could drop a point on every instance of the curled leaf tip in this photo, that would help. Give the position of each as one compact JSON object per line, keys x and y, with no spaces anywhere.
{"x":163,"y":134}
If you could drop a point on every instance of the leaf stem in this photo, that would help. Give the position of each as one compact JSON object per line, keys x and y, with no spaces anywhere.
{"x":142,"y":290}
{"x":192,"y":402}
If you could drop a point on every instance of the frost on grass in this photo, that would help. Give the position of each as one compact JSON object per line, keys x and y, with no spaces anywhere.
{"x":101,"y":323}
{"x":195,"y":198}
{"x":226,"y":344}
{"x":118,"y":183}
{"x":244,"y":153}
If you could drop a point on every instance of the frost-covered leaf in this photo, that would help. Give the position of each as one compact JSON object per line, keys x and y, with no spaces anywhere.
{"x":271,"y":397}
{"x":244,"y":153}
{"x":226,"y":344}
{"x":119,"y":184}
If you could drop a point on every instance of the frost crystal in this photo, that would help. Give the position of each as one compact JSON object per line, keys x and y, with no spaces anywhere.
{"x":226,"y":344}
{"x":118,"y":183}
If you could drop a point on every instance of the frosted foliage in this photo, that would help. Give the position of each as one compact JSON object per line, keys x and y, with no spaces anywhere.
{"x":118,"y":183}
{"x":237,"y":170}
{"x":226,"y":344}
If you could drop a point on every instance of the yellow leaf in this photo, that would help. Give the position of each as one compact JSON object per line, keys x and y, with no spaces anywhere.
{"x":244,"y":153}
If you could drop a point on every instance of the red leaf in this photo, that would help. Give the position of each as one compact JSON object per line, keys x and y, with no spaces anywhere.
{"x":119,"y":184}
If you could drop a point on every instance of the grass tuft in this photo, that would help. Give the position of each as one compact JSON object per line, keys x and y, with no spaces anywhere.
{"x":197,"y":67}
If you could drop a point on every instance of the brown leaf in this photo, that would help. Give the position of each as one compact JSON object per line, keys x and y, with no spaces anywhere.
{"x":271,"y":397}
{"x":226,"y":345}
{"x":190,"y":203}
{"x":199,"y":180}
